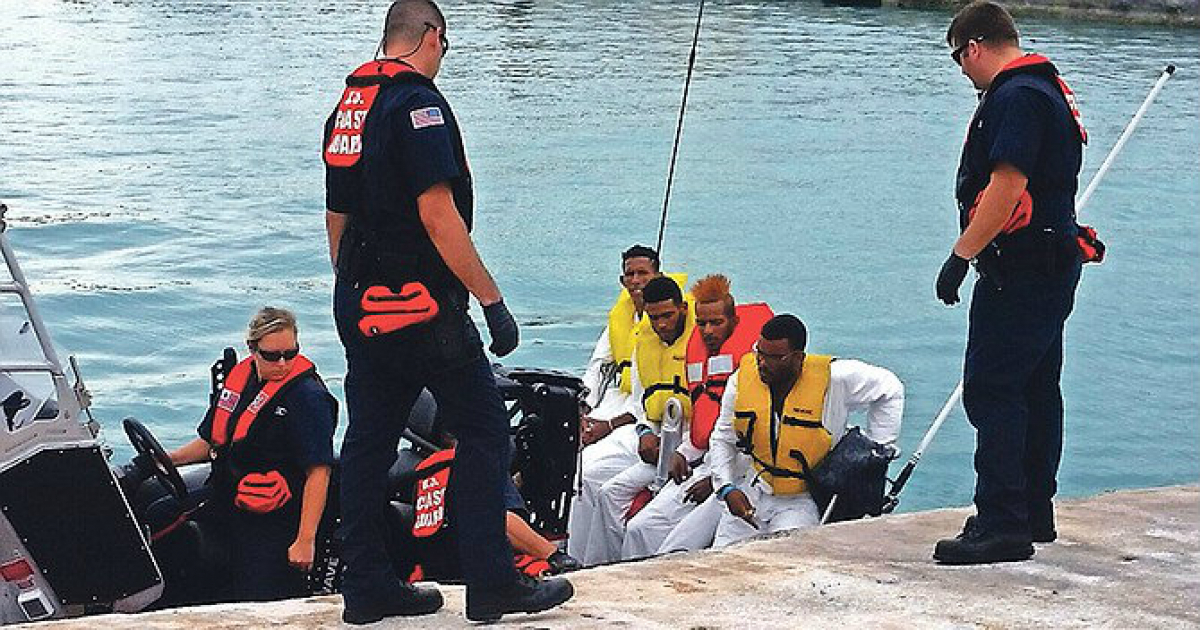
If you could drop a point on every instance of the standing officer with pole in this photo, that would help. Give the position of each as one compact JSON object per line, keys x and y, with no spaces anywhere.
{"x":400,"y":207}
{"x":1016,"y":187}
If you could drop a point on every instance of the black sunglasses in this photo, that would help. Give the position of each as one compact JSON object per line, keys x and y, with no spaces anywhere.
{"x":441,"y":36}
{"x":957,"y":53}
{"x":273,"y":356}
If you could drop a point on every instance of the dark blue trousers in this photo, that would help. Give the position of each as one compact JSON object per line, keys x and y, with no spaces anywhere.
{"x":1012,"y":397}
{"x":258,"y":545}
{"x":382,"y":383}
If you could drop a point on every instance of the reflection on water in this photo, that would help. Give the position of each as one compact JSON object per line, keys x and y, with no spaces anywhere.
{"x":162,"y":165}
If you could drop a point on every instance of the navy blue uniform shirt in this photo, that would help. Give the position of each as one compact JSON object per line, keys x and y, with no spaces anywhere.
{"x":1024,"y":121}
{"x":411,"y":141}
{"x":297,"y":428}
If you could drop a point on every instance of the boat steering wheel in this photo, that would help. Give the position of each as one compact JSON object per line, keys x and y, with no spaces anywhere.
{"x":144,"y":443}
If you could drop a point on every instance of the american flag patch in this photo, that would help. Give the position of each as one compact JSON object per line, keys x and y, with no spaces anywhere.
{"x":259,"y":400}
{"x":228,"y":400}
{"x":426,"y":117}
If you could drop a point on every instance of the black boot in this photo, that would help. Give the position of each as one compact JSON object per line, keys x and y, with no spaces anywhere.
{"x":976,"y":545}
{"x":1041,"y":523}
{"x":404,"y":601}
{"x":560,"y":562}
{"x":1042,"y":529}
{"x":1044,"y":533}
{"x":525,"y":595}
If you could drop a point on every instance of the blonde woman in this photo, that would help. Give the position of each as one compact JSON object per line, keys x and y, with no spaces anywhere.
{"x":269,"y":435}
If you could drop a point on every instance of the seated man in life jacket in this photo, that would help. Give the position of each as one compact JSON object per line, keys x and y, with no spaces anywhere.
{"x":658,"y":375}
{"x":724,"y":333}
{"x":607,"y":431}
{"x":535,"y":555}
{"x":269,"y":435}
{"x":787,"y":409}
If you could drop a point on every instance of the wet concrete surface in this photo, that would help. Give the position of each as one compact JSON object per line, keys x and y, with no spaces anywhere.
{"x":1127,"y":559}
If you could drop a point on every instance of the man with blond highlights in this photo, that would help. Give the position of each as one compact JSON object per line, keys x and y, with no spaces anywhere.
{"x":269,"y":437}
{"x":724,"y":333}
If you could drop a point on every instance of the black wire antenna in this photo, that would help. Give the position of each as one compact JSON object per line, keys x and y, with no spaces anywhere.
{"x":662,"y":224}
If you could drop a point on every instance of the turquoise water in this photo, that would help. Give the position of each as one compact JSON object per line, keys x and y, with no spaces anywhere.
{"x":161,"y":160}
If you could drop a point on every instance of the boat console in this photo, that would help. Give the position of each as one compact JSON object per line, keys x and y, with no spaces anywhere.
{"x":69,"y":541}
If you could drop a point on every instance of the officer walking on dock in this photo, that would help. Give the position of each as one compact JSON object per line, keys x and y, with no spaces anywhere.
{"x":1016,"y":186}
{"x":400,"y":204}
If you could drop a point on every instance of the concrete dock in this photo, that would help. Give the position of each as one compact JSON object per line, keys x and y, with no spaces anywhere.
{"x":1127,"y":559}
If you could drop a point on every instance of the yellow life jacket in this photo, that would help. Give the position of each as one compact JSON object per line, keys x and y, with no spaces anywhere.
{"x":783,"y":454}
{"x":623,"y":328}
{"x":662,"y":369}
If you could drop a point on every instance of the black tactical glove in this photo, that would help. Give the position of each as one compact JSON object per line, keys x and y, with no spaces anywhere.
{"x":502,"y":327}
{"x":950,"y":278}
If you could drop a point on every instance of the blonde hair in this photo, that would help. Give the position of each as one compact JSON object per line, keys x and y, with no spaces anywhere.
{"x":713,"y":288}
{"x":268,"y":320}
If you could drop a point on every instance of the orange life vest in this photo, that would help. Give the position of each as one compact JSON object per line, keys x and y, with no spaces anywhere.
{"x":257,"y":491}
{"x":1068,"y":94}
{"x":343,"y":147}
{"x":429,"y":504}
{"x":707,"y":375}
{"x":1089,"y":244}
{"x":231,"y":394}
{"x":1023,"y":211}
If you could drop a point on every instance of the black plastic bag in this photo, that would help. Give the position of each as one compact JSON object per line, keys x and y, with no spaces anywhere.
{"x":856,"y":471}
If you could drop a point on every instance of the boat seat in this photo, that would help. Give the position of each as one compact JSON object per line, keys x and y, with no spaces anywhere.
{"x":422,"y":422}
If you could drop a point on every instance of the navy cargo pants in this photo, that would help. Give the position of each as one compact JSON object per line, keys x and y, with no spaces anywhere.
{"x":383,"y":380}
{"x":1012,"y":397}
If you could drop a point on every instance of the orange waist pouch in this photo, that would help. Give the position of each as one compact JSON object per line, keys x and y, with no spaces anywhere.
{"x":261,"y":493}
{"x":386,"y":311}
{"x":1090,"y":246}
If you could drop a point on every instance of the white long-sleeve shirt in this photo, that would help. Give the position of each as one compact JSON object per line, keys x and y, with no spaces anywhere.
{"x":690,"y":451}
{"x":853,"y":386}
{"x":634,"y":404}
{"x":593,"y":376}
{"x":608,"y":401}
